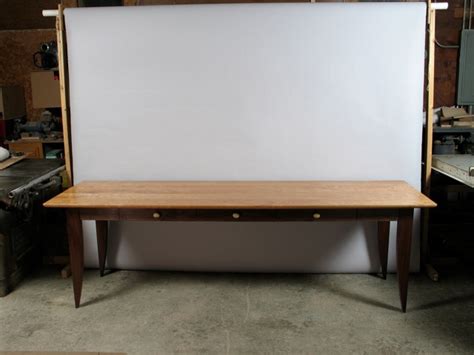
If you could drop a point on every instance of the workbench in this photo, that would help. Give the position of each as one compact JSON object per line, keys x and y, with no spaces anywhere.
{"x":241,"y":201}
{"x":25,"y":174}
{"x":459,"y":167}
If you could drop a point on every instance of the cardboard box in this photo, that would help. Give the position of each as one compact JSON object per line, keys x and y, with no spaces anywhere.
{"x":45,"y":89}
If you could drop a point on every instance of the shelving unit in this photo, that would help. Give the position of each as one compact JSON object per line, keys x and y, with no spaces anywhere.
{"x":37,"y":148}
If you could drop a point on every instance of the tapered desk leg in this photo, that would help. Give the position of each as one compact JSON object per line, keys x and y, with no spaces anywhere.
{"x":404,"y":232}
{"x":76,"y":252}
{"x":383,"y":240}
{"x":102,"y":233}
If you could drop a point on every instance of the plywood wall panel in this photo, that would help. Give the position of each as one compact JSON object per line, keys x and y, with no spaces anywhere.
{"x":16,"y":60}
{"x":448,"y":28}
{"x":25,"y":14}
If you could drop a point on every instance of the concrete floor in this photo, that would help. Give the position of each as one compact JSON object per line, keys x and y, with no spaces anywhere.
{"x":191,"y":313}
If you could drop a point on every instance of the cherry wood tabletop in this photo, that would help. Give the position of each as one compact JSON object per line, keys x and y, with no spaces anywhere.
{"x":241,"y":194}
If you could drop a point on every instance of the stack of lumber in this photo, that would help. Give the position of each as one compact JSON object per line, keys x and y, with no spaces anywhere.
{"x":456,"y":117}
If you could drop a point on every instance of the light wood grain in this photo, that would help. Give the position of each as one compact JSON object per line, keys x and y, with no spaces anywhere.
{"x":428,"y":137}
{"x":428,"y":132}
{"x":12,"y":160}
{"x":63,"y":90}
{"x":241,"y":194}
{"x":32,"y":150}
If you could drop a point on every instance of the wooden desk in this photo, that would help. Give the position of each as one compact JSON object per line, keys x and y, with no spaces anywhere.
{"x":312,"y":201}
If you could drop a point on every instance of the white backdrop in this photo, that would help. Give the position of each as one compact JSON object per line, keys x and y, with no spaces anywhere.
{"x":240,"y":92}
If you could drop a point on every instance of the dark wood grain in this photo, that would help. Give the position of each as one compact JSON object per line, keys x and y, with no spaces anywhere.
{"x":76,"y":252}
{"x":448,"y":30}
{"x":404,"y":233}
{"x":102,"y":231}
{"x":26,"y":14}
{"x":100,"y":214}
{"x":383,"y":232}
{"x":371,"y":214}
{"x":236,"y":215}
{"x":16,"y":63}
{"x":227,"y":215}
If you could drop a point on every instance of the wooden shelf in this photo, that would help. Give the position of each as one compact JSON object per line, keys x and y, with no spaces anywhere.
{"x":41,"y":140}
{"x":35,"y":147}
{"x":453,"y":130}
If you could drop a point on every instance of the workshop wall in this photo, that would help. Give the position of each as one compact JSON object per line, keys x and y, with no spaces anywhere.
{"x":25,"y":14}
{"x":16,"y":60}
{"x":448,"y":30}
{"x":17,"y":47}
{"x":22,"y":30}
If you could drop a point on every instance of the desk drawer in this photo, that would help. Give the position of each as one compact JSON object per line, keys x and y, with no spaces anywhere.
{"x":235,"y":215}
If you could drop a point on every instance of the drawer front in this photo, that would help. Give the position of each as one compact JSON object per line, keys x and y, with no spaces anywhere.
{"x":377,"y":214}
{"x":98,"y":214}
{"x":235,"y":215}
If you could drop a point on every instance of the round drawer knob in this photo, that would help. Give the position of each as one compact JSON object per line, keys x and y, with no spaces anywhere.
{"x":156,"y":215}
{"x":316,"y":216}
{"x":235,"y":215}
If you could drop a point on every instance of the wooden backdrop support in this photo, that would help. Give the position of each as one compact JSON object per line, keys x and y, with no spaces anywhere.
{"x":428,"y":140}
{"x":64,"y":91}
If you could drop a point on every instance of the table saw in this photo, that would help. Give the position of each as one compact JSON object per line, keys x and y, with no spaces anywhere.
{"x":23,"y":188}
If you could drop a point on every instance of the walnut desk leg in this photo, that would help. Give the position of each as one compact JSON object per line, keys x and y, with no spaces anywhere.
{"x":76,"y":251}
{"x":383,"y":241}
{"x":102,"y":233}
{"x":404,"y":233}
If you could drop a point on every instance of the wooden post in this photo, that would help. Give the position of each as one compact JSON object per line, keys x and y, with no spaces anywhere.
{"x":64,"y":91}
{"x":428,"y":139}
{"x":430,"y":102}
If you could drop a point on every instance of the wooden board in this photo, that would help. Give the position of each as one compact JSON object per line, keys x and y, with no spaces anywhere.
{"x":63,"y":91}
{"x":428,"y":137}
{"x":241,"y":195}
{"x":10,"y":161}
{"x":45,"y":89}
